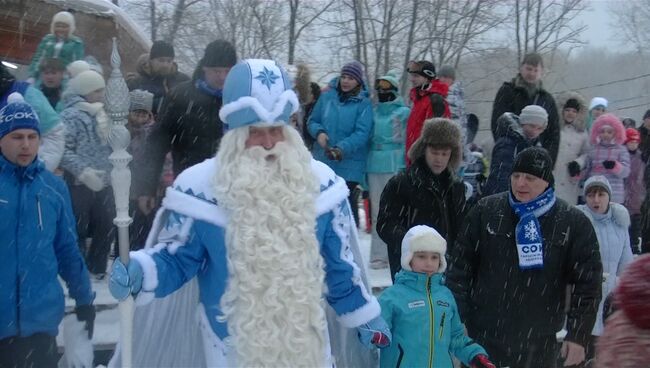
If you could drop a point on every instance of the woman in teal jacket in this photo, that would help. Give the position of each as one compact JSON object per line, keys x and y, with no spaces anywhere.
{"x":421,"y":311}
{"x":60,"y":43}
{"x":341,"y":123}
{"x":386,"y":156}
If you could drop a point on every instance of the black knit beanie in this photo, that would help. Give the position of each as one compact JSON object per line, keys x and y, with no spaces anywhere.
{"x":219,"y":53}
{"x":535,"y":161}
{"x":161,"y":49}
{"x":572,"y":103}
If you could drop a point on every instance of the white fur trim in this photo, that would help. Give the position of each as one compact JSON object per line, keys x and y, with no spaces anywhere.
{"x":422,"y":238}
{"x":149,"y":270}
{"x":620,"y":215}
{"x":156,"y":226}
{"x":196,"y":208}
{"x":331,"y":197}
{"x":264,"y":115}
{"x":362,"y":315}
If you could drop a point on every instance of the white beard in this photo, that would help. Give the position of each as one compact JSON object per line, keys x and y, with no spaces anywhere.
{"x":273,"y":301}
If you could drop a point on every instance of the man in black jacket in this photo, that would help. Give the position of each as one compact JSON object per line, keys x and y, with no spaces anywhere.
{"x":190,"y":126}
{"x":427,"y":193}
{"x":158,"y":74}
{"x":509,"y":271}
{"x":526,"y":89}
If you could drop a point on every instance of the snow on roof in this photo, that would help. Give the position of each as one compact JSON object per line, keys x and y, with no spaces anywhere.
{"x":106,"y":8}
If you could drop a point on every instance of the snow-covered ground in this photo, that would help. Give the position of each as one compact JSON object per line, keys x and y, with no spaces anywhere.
{"x":107,"y":322}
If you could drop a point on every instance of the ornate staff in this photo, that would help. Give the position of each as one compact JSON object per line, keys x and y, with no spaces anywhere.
{"x":117,"y":107}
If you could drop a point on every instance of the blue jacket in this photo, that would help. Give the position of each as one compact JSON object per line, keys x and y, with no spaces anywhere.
{"x":423,"y":318}
{"x":386,"y":154}
{"x":509,"y":140}
{"x":348,"y":125}
{"x":193,"y":244}
{"x":38,"y":234}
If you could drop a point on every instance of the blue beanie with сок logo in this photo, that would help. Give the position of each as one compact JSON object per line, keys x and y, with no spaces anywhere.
{"x":17,"y":114}
{"x":257,"y":91}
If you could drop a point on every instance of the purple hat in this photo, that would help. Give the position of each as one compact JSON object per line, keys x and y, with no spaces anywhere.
{"x":355,"y":70}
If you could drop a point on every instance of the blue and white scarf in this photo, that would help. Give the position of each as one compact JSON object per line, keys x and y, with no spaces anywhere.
{"x":203,"y":86}
{"x":528,"y":231}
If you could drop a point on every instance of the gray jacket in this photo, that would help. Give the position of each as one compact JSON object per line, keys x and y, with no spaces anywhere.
{"x":83,"y":146}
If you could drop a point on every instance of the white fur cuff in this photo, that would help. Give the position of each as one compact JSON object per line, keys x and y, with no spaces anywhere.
{"x":362,"y":315}
{"x":150,"y":273}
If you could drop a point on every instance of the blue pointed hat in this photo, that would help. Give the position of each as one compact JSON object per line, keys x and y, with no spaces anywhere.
{"x":257,"y":91}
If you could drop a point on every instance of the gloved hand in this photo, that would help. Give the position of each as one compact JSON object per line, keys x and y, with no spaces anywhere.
{"x":375,"y":332}
{"x":125,"y":280}
{"x":334,"y":153}
{"x":86,"y":313}
{"x":481,"y":361}
{"x":609,"y":164}
{"x":92,"y":178}
{"x":574,"y":168}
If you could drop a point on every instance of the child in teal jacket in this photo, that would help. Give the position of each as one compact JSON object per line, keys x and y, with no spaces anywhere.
{"x":60,"y":43}
{"x":421,"y":311}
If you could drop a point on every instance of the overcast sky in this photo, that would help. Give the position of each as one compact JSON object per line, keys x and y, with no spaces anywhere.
{"x":600,"y":30}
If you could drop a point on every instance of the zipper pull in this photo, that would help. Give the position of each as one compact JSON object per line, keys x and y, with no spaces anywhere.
{"x":40,"y":214}
{"x":442,"y":324}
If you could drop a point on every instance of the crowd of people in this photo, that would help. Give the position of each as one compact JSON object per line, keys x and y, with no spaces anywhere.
{"x":261,"y":170}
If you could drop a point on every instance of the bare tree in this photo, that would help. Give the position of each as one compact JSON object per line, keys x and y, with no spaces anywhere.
{"x":301,"y":16}
{"x":632,"y":21}
{"x":545,"y":25}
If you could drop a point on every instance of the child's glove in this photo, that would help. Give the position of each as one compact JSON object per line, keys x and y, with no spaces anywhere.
{"x":125,"y":280}
{"x":574,"y":168}
{"x":375,"y":332}
{"x":609,"y":164}
{"x":481,"y":361}
{"x":93,"y":179}
{"x":334,"y":154}
{"x":86,"y":313}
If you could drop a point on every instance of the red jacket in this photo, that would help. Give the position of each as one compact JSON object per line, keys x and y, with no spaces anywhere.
{"x":422,"y":110}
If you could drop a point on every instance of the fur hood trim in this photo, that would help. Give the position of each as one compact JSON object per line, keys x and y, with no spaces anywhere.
{"x":579,"y":123}
{"x":438,"y":132}
{"x":614,"y":122}
{"x":620,"y":215}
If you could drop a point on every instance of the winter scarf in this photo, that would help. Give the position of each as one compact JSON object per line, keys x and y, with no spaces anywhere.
{"x":531,"y":88}
{"x":202,"y":85}
{"x":96,"y":109}
{"x":528,"y":231}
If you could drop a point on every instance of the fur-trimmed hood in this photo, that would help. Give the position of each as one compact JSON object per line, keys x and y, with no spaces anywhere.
{"x":438,"y":132}
{"x":580,"y":122}
{"x":617,"y":212}
{"x":614,"y":122}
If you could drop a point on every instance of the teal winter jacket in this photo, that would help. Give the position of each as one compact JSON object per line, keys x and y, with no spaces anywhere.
{"x":423,"y":318}
{"x":388,"y":136}
{"x":72,"y":50}
{"x":348,"y":125}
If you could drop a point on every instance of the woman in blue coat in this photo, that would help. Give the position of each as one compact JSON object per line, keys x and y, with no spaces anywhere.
{"x":341,"y":123}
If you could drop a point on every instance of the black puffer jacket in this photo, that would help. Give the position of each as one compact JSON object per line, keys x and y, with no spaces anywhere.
{"x":512,"y":97}
{"x":418,"y":197}
{"x":505,"y":305}
{"x":190,"y":128}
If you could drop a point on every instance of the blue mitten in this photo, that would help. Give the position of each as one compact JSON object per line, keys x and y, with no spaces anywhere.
{"x":375,"y":333}
{"x":125,"y":280}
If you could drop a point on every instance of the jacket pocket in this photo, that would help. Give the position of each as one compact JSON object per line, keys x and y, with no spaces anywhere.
{"x":400,"y":356}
